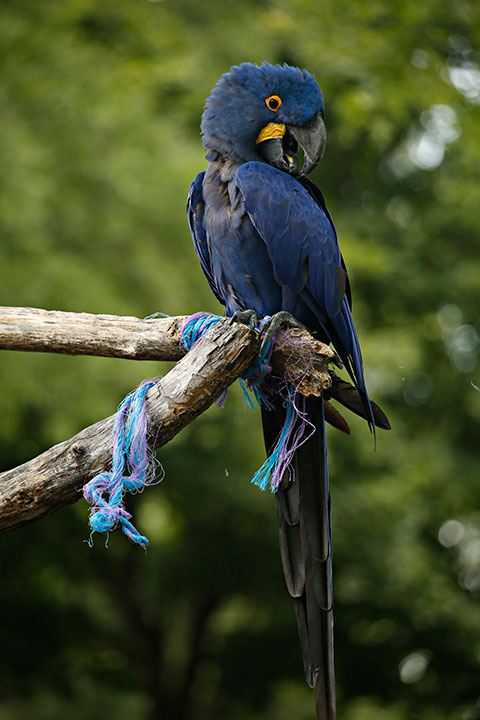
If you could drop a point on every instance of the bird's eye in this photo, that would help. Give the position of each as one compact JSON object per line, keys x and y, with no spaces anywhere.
{"x":273,"y":102}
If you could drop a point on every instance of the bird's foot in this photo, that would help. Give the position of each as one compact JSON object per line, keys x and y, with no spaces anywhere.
{"x":336,"y":361}
{"x":247,"y":317}
{"x":275,"y":323}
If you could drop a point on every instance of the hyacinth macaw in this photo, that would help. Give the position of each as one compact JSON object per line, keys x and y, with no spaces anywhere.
{"x":268,"y":246}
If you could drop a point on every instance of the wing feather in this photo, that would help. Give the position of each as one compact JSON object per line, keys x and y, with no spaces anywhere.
{"x":195,"y":213}
{"x":299,"y":233}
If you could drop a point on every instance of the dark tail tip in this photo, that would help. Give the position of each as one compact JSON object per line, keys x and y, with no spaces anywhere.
{"x":351,"y":398}
{"x":335,"y":418}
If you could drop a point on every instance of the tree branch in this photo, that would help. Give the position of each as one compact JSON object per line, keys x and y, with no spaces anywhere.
{"x":36,"y":330}
{"x":55,"y":478}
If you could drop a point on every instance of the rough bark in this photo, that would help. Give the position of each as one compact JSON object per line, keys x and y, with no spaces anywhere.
{"x":37,"y":330}
{"x":296,"y":354}
{"x":55,"y":478}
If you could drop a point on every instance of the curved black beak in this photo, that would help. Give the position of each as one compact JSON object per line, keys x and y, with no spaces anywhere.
{"x":276,"y":152}
{"x":278,"y":145}
{"x":312,"y":138}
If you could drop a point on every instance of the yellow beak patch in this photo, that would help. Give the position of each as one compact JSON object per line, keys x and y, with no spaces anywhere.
{"x":272,"y":130}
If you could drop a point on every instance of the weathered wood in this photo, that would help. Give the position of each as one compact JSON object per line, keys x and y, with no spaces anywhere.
{"x":297,"y":356}
{"x":302,"y":360}
{"x":55,"y":478}
{"x":37,"y":330}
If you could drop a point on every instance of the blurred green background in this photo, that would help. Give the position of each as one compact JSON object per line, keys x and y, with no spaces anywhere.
{"x":100,"y":105}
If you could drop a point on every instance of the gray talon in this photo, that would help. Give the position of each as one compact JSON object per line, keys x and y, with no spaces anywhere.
{"x":336,"y":361}
{"x":246,"y":317}
{"x":275,"y":323}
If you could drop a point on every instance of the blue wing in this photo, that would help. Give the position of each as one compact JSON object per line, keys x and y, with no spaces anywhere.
{"x":195,"y":213}
{"x":303,"y":247}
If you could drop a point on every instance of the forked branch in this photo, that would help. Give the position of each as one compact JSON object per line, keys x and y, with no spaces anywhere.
{"x":55,"y":478}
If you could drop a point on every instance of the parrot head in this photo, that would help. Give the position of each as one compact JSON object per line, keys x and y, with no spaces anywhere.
{"x":266,"y":112}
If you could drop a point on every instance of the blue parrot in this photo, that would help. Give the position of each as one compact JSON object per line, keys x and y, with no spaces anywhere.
{"x":268,"y":246}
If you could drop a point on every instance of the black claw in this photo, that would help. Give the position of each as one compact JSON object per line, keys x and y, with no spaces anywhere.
{"x":336,"y":360}
{"x":275,"y":323}
{"x":246,"y":317}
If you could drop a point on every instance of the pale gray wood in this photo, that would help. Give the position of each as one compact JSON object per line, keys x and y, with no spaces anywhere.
{"x":55,"y":478}
{"x":296,"y":355}
{"x":37,"y":330}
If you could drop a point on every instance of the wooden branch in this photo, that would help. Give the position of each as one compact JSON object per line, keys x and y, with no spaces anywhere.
{"x":55,"y":478}
{"x":297,"y":356}
{"x":36,"y":330}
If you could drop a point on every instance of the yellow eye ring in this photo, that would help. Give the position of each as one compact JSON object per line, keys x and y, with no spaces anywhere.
{"x":273,"y":102}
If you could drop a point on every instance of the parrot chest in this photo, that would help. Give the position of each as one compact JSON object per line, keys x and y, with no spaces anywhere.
{"x":240,"y":262}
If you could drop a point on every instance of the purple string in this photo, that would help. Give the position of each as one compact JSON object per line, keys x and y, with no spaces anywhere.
{"x":134,"y":463}
{"x":296,"y":430}
{"x":195,"y":327}
{"x":133,"y":468}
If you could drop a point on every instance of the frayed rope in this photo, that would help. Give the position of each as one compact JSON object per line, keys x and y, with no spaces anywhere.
{"x":296,"y":429}
{"x":133,"y":468}
{"x":195,"y":327}
{"x":134,"y":463}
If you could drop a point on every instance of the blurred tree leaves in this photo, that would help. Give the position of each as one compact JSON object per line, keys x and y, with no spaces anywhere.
{"x":100,"y":112}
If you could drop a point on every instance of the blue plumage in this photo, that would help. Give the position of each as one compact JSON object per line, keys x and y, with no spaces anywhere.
{"x":195,"y":212}
{"x":236,"y":109}
{"x":266,"y":242}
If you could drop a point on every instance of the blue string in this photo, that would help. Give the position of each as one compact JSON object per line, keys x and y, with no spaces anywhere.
{"x":296,"y":428}
{"x":196,"y":326}
{"x":134,"y":463}
{"x":264,"y":474}
{"x":254,"y":375}
{"x":133,"y":468}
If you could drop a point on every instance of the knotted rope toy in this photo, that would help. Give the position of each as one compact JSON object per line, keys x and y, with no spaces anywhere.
{"x":134,"y":464}
{"x":133,"y":468}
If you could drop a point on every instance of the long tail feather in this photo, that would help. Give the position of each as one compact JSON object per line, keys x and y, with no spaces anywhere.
{"x":303,"y":511}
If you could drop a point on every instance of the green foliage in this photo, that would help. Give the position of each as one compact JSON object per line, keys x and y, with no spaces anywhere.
{"x":100,"y":107}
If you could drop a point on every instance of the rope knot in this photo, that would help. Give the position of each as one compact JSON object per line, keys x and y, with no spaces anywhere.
{"x":134,"y":463}
{"x":133,"y":468}
{"x":294,"y":431}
